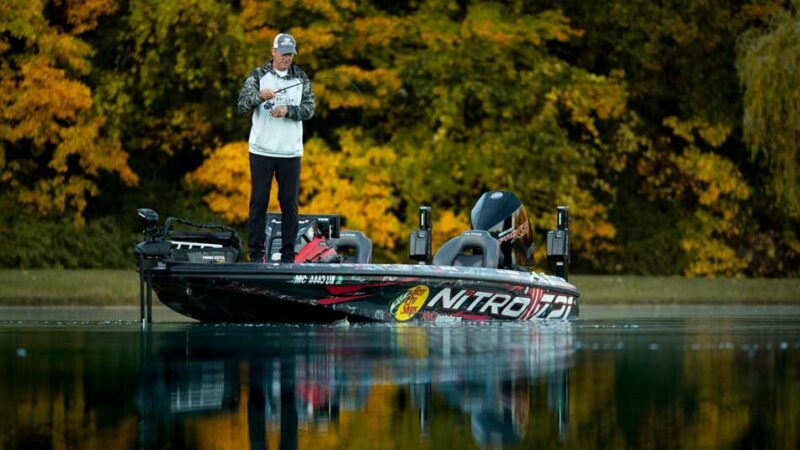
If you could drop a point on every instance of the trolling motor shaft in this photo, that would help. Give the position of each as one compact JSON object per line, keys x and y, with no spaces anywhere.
{"x":148,"y":253}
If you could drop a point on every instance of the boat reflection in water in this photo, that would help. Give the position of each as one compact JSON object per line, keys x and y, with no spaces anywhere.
{"x":295,"y":387}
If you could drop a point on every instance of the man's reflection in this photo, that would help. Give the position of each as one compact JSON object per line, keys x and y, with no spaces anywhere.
{"x":297,"y":384}
{"x":256,"y":406}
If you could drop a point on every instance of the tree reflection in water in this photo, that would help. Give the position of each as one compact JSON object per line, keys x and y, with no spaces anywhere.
{"x":295,"y":387}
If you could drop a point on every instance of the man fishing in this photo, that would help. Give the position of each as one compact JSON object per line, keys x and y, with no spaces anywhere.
{"x":280,"y":97}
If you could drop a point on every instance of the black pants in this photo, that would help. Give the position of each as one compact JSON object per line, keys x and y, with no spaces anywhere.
{"x":287,"y":172}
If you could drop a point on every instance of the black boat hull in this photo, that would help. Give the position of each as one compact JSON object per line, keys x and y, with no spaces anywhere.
{"x":246,"y":292}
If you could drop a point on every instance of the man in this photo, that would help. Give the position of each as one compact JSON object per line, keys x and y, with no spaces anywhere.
{"x":279,"y":95}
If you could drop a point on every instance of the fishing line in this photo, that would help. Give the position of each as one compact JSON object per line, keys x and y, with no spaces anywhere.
{"x":270,"y":103}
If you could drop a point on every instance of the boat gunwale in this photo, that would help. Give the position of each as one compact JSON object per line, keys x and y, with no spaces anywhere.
{"x":276,"y":270}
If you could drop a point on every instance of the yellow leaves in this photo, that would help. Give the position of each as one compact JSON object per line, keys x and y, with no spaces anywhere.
{"x":589,"y":97}
{"x":437,"y":33}
{"x":447,"y":224}
{"x":378,"y":30}
{"x":59,"y":194}
{"x":48,"y":117}
{"x":592,"y":231}
{"x":83,"y":14}
{"x":713,"y":181}
{"x":712,"y":188}
{"x":40,"y":96}
{"x":184,"y":125}
{"x":331,"y":10}
{"x":94,"y":153}
{"x":226,"y":175}
{"x":354,"y":182}
{"x":58,"y":47}
{"x":711,"y":177}
{"x":710,"y":257}
{"x":335,"y":87}
{"x":491,"y":22}
{"x":311,"y":40}
{"x":713,"y":134}
{"x":21,"y":18}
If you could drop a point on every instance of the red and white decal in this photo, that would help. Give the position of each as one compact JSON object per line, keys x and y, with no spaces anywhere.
{"x":473,"y":303}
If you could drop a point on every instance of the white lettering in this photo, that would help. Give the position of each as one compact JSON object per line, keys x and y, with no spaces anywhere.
{"x":564,"y":302}
{"x":479,"y":296}
{"x":448,"y":301}
{"x":520,"y":303}
{"x":458,"y":299}
{"x":544,"y":306}
{"x":495,"y":303}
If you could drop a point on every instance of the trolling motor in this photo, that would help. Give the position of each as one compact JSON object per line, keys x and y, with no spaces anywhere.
{"x":148,"y":253}
{"x":558,"y":243}
{"x":420,"y":240}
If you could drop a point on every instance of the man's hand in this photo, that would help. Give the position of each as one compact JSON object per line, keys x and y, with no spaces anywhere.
{"x":280,"y":111}
{"x":266,"y":94}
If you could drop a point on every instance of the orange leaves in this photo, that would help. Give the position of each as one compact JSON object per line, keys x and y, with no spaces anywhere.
{"x":492,"y":22}
{"x":38,"y":99}
{"x":48,"y":117}
{"x":62,"y":48}
{"x":378,"y":30}
{"x":84,"y":14}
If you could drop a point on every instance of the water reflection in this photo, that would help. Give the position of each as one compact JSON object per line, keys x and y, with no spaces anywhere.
{"x":707,"y":382}
{"x":302,"y":387}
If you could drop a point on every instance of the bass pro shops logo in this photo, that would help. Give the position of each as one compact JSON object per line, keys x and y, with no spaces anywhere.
{"x":408,"y":304}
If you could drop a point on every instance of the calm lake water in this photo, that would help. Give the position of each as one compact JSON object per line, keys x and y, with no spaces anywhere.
{"x":620,"y":377}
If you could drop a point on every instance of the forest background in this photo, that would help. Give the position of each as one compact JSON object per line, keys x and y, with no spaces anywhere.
{"x":671,"y":129}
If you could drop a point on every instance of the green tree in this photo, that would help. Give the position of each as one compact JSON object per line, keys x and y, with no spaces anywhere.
{"x":678,"y":58}
{"x":769,"y":69}
{"x":462,"y":99}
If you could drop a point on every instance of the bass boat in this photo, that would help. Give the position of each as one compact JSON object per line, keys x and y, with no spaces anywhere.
{"x":481,"y":275}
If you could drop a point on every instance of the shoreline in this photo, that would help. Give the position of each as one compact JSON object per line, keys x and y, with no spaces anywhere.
{"x":54,"y":287}
{"x":128,"y":316}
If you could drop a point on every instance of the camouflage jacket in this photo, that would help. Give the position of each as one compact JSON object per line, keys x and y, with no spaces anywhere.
{"x":249,"y":94}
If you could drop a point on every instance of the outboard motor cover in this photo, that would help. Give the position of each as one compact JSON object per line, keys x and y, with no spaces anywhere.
{"x":503,"y":215}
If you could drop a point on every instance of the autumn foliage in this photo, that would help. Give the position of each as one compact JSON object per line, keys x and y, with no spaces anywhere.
{"x":663,"y":153}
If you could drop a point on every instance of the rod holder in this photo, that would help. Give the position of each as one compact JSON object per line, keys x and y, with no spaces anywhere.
{"x":558,"y":243}
{"x":420,"y":239}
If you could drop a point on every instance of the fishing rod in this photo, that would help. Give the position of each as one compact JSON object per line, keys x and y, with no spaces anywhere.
{"x":323,"y":78}
{"x":291,"y":86}
{"x":269,"y":104}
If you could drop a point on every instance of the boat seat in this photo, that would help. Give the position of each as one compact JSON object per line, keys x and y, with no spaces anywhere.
{"x":353,"y":247}
{"x":485,"y":250}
